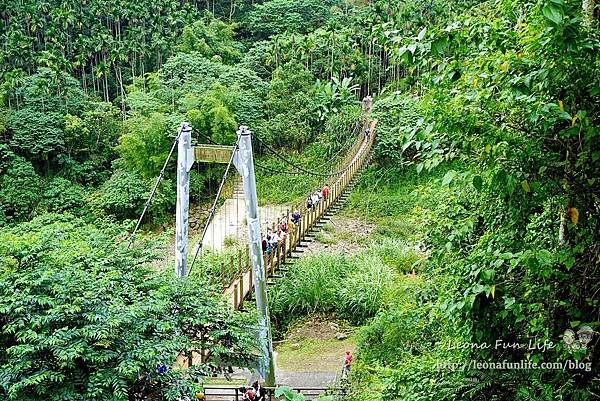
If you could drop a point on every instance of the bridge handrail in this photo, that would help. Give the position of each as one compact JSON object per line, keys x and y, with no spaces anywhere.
{"x":239,"y":284}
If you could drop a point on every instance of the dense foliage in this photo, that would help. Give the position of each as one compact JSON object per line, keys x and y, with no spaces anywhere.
{"x":485,"y":179}
{"x":84,"y":318}
{"x":352,"y":289}
{"x":500,"y":101}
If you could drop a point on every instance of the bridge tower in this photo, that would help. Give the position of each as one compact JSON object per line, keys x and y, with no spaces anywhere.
{"x":244,"y":163}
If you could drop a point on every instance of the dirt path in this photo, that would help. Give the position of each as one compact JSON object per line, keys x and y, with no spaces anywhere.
{"x":311,"y":355}
{"x":342,"y":235}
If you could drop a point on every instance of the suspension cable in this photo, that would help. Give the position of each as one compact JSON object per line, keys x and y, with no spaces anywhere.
{"x":274,"y":170}
{"x":209,"y":139}
{"x":152,"y":193}
{"x":283,"y":159}
{"x":343,"y":147}
{"x":213,"y":208}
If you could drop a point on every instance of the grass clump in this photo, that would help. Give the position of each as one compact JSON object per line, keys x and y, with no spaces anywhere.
{"x":352,"y":288}
{"x":325,"y":238}
{"x":401,"y":256}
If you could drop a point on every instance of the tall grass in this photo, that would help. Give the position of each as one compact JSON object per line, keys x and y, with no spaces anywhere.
{"x":362,"y":293}
{"x":400,"y":255}
{"x":349,"y":288}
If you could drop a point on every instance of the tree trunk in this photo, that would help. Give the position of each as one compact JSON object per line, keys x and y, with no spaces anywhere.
{"x":588,"y":11}
{"x":231,"y":10}
{"x":562,"y":228}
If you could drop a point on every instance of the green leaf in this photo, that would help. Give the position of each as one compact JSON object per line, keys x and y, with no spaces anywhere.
{"x":569,"y":262}
{"x":526,"y":186}
{"x":478,"y":182}
{"x":422,"y":34}
{"x":544,"y":256}
{"x":553,"y":13}
{"x":487,"y":274}
{"x":420,"y":168}
{"x":448,"y":178}
{"x":439,"y":45}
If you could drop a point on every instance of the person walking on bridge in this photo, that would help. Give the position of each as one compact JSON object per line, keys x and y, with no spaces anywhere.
{"x":325,"y":191}
{"x":249,"y":395}
{"x":296,"y":216}
{"x":315,"y":197}
{"x":275,"y":238}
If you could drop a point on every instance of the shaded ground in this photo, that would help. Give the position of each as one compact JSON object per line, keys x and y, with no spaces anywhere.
{"x":311,"y":355}
{"x":317,"y":345}
{"x":347,"y":235}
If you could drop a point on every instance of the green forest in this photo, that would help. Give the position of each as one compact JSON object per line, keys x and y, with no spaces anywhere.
{"x":482,"y":193}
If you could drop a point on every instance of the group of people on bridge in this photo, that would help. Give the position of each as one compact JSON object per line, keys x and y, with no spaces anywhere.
{"x":320,"y":194}
{"x":275,"y":237}
{"x":272,"y":239}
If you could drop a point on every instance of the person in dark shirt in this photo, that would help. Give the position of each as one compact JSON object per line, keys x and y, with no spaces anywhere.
{"x":259,"y":391}
{"x":296,"y":217}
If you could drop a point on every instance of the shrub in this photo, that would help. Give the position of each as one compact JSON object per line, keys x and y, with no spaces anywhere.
{"x":361,"y":293}
{"x":123,"y":196}
{"x":19,"y":189}
{"x":351,"y":288}
{"x":61,"y":195}
{"x":399,"y":255}
{"x":98,"y":319}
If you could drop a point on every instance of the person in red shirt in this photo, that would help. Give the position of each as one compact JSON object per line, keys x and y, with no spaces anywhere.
{"x":249,"y":396}
{"x":325,"y":191}
{"x":347,"y":363}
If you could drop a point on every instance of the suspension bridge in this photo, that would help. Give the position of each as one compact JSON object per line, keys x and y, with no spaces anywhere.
{"x":246,"y":274}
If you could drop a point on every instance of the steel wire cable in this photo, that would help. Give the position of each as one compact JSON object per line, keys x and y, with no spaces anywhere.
{"x":343,"y":147}
{"x":209,"y":139}
{"x":153,"y":192}
{"x":300,"y":168}
{"x":213,"y":208}
{"x":198,"y":246}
